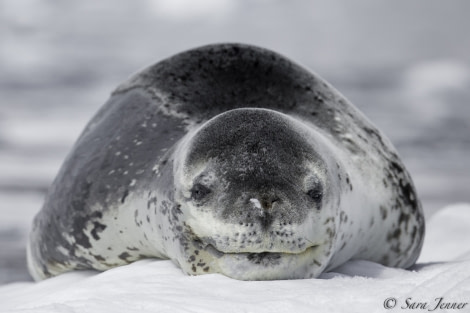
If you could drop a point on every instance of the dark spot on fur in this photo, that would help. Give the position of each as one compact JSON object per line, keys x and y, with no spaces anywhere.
{"x":97,"y":228}
{"x":124,"y":256}
{"x":124,"y":196}
{"x":414,"y":232}
{"x":397,"y":167}
{"x":348,"y":182}
{"x":394,"y":235}
{"x":383,"y":212}
{"x":151,"y":201}
{"x":176,"y":211}
{"x":79,"y":226}
{"x":409,"y":194}
{"x":99,"y":258}
{"x":396,"y":248}
{"x":404,"y":218}
{"x":330,"y":232}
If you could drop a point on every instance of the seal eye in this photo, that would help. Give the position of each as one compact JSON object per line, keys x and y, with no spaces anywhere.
{"x":316,"y":195}
{"x":198,"y":192}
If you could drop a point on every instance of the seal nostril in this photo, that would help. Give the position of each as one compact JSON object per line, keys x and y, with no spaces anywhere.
{"x":267,"y":203}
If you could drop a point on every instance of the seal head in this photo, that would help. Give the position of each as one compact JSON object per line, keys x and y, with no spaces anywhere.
{"x":256,"y":192}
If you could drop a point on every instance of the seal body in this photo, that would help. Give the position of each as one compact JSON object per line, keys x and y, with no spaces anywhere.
{"x":228,"y":159}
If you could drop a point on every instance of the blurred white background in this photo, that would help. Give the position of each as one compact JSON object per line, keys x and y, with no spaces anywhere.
{"x":405,"y":64}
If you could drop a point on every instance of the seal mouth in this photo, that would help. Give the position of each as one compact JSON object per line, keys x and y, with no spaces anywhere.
{"x":262,"y":258}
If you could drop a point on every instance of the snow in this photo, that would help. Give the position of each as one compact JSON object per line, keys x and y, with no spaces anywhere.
{"x":443,"y":271}
{"x":448,"y":230}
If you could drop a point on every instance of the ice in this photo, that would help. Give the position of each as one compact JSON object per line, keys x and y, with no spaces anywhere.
{"x":357,"y":286}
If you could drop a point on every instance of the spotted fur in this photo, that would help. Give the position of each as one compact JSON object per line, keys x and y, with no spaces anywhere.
{"x":228,"y":159}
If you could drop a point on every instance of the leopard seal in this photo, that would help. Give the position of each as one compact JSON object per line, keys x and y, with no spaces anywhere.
{"x":229,"y":159}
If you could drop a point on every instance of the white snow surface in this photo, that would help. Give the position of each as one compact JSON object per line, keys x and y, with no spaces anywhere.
{"x":443,"y":271}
